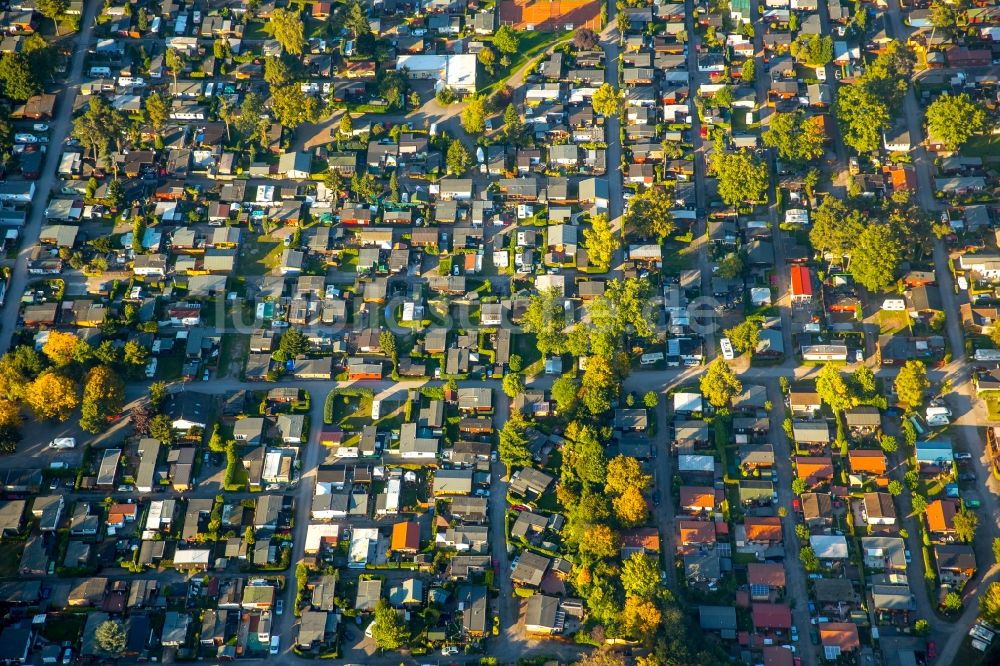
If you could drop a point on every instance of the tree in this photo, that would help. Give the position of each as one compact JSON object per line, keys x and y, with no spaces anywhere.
{"x":389,"y":631}
{"x":251,"y":119}
{"x":356,"y":20}
{"x":888,"y":444}
{"x":487,"y":58}
{"x":835,"y":228}
{"x":742,"y":177}
{"x":944,"y":17}
{"x":810,"y":562}
{"x":103,"y":397}
{"x":625,"y":472}
{"x":110,"y":637}
{"x":506,"y":39}
{"x":51,"y":396}
{"x":966,"y":523}
{"x":157,"y":394}
{"x":630,"y":507}
{"x":292,"y":107}
{"x":215,"y":443}
{"x":601,"y":542}
{"x":723,"y":97}
{"x":387,"y":342}
{"x":749,"y":71}
{"x":585,"y":39}
{"x":18,"y":79}
{"x":649,"y":213}
{"x":458,"y":159}
{"x":277,"y":71}
{"x":952,"y":119}
{"x":876,"y":257}
{"x":601,"y":242}
{"x":546,"y":318}
{"x":602,"y":658}
{"x":286,"y":26}
{"x":863,"y":116}
{"x":651,"y":399}
{"x":474,"y":115}
{"x":834,"y":390}
{"x":919,"y":504}
{"x":814,"y":50}
{"x":157,"y":110}
{"x":599,"y":387}
{"x":346,"y":127}
{"x":895,"y":488}
{"x":513,"y":446}
{"x":52,"y":9}
{"x":583,"y":455}
{"x":162,"y":429}
{"x":989,"y":604}
{"x":293,"y":343}
{"x":799,"y":485}
{"x":952,"y":602}
{"x":641,"y":617}
{"x":996,"y":549}
{"x":512,"y":126}
{"x":366,"y":186}
{"x":745,"y":335}
{"x":60,"y":348}
{"x":911,"y":384}
{"x":864,"y":381}
{"x":175,"y":61}
{"x":607,"y":100}
{"x":641,"y":576}
{"x":798,"y":139}
{"x":719,"y":384}
{"x":513,"y":384}
{"x":565,"y":391}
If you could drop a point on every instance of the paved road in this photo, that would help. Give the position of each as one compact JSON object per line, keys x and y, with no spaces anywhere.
{"x":60,"y":126}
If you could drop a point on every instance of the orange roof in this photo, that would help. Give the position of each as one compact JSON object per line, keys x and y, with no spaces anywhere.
{"x":941,"y":515}
{"x":766,"y":573}
{"x":550,"y":14}
{"x":763,"y":529}
{"x":841,"y":634}
{"x":814,"y":469}
{"x":696,"y":531}
{"x":702,"y":497}
{"x":870,"y":460}
{"x":405,"y":536}
{"x":903,"y":178}
{"x":801,"y":282}
{"x":771,"y":616}
{"x":647,"y":538}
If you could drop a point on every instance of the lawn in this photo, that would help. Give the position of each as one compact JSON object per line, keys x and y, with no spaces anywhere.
{"x":891,"y":323}
{"x":352,"y":412}
{"x":983,"y":145}
{"x":532,"y":43}
{"x":526,"y":346}
{"x":63,"y":628}
{"x":678,"y":257}
{"x":259,"y":256}
{"x":993,"y":408}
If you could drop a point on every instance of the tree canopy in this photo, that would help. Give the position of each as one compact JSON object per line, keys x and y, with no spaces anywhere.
{"x":797,"y":138}
{"x":912,"y":384}
{"x":17,"y":78}
{"x":875,"y":257}
{"x":649,"y":213}
{"x":601,"y":242}
{"x":474,"y":115}
{"x":607,"y":100}
{"x":719,"y":384}
{"x":742,"y":177}
{"x":389,"y":631}
{"x":287,"y":28}
{"x":952,"y":119}
{"x":546,"y":318}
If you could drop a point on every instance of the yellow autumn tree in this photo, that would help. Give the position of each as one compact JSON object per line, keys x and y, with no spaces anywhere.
{"x":10,"y":414}
{"x":60,"y":348}
{"x":601,"y":541}
{"x":641,"y":617}
{"x":52,"y":396}
{"x":625,"y":472}
{"x":630,"y":507}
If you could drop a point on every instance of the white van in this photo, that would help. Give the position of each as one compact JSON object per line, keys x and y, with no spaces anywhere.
{"x":62,"y":443}
{"x":100,"y":72}
{"x":275,"y":644}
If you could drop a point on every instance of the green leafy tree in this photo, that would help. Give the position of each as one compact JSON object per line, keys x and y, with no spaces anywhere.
{"x":953,"y":119}
{"x":601,"y":242}
{"x":565,"y":391}
{"x":641,"y":576}
{"x":834,"y":390}
{"x":989,"y":604}
{"x":742,"y":177}
{"x":506,"y":39}
{"x":749,"y":71}
{"x":798,"y":139}
{"x":293,"y":343}
{"x":607,"y":100}
{"x":394,"y":194}
{"x":723,"y":97}
{"x":161,"y":428}
{"x":110,"y":638}
{"x":810,"y":562}
{"x":888,"y":443}
{"x":813,"y":50}
{"x":719,"y":384}
{"x":175,"y":61}
{"x":912,"y":384}
{"x":966,"y":524}
{"x":512,"y":126}
{"x":863,"y":116}
{"x":799,"y":485}
{"x":103,"y":397}
{"x":292,"y":107}
{"x":944,"y":17}
{"x":651,"y":399}
{"x":745,"y":335}
{"x":583,"y":456}
{"x":356,"y":20}
{"x":488,"y":59}
{"x":513,"y":444}
{"x":546,"y":318}
{"x":389,"y":631}
{"x":215,"y":443}
{"x":458,"y":159}
{"x":287,"y":28}
{"x":346,"y":127}
{"x":366,"y":186}
{"x":895,"y":488}
{"x":996,"y":549}
{"x":157,"y":110}
{"x":875,"y":257}
{"x":649,"y":213}
{"x":18,"y":80}
{"x":835,"y":228}
{"x":474,"y":115}
{"x":513,"y":384}
{"x":730,"y":266}
{"x":952,"y":603}
{"x":919,"y":504}
{"x":157,"y":394}
{"x":53,"y":9}
{"x":277,"y":71}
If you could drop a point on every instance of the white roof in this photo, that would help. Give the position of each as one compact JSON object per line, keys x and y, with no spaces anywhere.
{"x":689,"y":463}
{"x":315,"y":534}
{"x":687,"y":402}
{"x":455,"y":71}
{"x":193,"y":556}
{"x":829,"y":546}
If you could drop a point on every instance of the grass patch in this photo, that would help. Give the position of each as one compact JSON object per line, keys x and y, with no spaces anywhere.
{"x":993,"y":408}
{"x":10,"y":557}
{"x":260,"y":256}
{"x":64,"y":628}
{"x":532,"y":43}
{"x":983,"y":145}
{"x":526,"y":346}
{"x":891,"y":323}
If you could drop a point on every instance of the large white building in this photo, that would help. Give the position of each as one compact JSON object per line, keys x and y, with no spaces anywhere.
{"x":456,"y":71}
